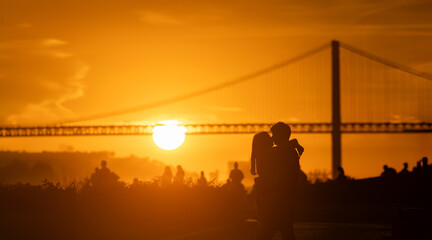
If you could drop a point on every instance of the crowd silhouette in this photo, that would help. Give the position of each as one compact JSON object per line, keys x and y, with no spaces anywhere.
{"x":422,"y":168}
{"x":103,"y":177}
{"x":103,"y":206}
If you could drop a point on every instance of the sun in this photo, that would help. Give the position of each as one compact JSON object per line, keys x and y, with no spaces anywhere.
{"x":168,"y":135}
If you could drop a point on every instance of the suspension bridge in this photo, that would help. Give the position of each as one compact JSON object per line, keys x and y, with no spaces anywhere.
{"x":333,"y":89}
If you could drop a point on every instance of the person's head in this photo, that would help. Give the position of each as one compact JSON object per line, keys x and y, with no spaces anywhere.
{"x":179,"y":167}
{"x":385,"y":167}
{"x":340,"y":169}
{"x":425,"y":161}
{"x":405,"y":165}
{"x":103,"y":163}
{"x":167,"y":169}
{"x":202,"y":173}
{"x":260,"y":142}
{"x":235,"y":165}
{"x":281,"y":132}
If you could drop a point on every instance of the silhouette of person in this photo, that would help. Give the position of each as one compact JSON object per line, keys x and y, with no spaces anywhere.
{"x":166,"y":176}
{"x":286,"y":169}
{"x":388,"y":172}
{"x":103,"y":177}
{"x":236,"y":175}
{"x":235,"y":178}
{"x":341,"y":175}
{"x":262,"y":151}
{"x":425,"y":163}
{"x":260,"y":157}
{"x":202,"y":181}
{"x":418,"y":167}
{"x":405,"y":170}
{"x":179,"y":177}
{"x":261,"y":163}
{"x":287,"y":155}
{"x":297,"y":146}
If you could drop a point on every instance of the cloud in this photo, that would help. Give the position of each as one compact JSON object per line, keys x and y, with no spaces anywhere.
{"x":50,"y":110}
{"x":38,"y":77}
{"x":60,"y":54}
{"x":41,"y":73}
{"x":33,"y":113}
{"x":225,"y":109}
{"x":155,"y":18}
{"x":425,"y":67}
{"x":24,"y":25}
{"x":53,"y":42}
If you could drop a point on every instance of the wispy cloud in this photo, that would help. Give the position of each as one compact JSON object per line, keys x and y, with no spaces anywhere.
{"x":44,"y":76}
{"x":424,"y":67}
{"x":51,"y":109}
{"x":24,"y":25}
{"x":225,"y":109}
{"x":53,"y":42}
{"x":155,"y":18}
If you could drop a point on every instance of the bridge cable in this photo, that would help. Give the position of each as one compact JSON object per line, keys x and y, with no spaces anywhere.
{"x":200,"y":92}
{"x":386,"y":62}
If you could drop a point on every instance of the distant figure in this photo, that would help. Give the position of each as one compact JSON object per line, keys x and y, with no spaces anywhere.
{"x":405,"y":170}
{"x":236,"y":175}
{"x":418,"y":167}
{"x":341,"y":175}
{"x":166,"y":176}
{"x":202,"y":181}
{"x":103,"y":177}
{"x":425,"y":163}
{"x":179,"y":177}
{"x":388,"y":172}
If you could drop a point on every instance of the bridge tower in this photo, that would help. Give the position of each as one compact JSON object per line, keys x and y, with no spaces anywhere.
{"x":336,"y":109}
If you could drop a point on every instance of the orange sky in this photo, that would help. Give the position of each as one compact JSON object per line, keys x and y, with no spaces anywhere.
{"x":63,"y":59}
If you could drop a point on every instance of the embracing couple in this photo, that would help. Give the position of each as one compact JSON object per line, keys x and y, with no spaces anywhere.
{"x":276,"y":160}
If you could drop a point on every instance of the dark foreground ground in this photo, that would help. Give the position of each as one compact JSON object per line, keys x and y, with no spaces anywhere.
{"x":397,"y":208}
{"x":303,"y":231}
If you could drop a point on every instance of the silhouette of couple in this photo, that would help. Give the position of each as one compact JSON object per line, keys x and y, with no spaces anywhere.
{"x":276,"y":160}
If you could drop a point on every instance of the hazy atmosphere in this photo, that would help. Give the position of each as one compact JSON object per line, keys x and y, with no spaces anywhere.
{"x":62,"y":60}
{"x":142,"y":119}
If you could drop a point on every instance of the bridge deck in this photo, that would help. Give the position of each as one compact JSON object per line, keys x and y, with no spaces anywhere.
{"x":103,"y":130}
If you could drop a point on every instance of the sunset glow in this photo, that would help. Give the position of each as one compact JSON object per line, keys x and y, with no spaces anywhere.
{"x":168,"y":135}
{"x":305,"y":120}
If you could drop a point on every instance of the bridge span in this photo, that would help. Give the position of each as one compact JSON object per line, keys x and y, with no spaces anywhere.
{"x":194,"y":129}
{"x":335,"y":89}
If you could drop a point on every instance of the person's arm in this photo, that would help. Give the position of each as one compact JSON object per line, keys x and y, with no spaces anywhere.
{"x":297,"y":145}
